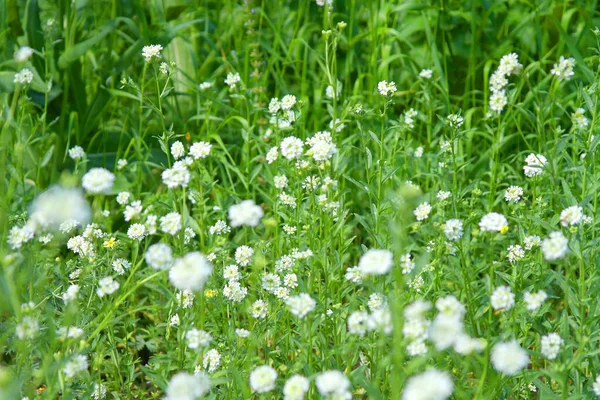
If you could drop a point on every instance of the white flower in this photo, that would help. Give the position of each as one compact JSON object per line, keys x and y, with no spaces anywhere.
{"x":375,"y":262}
{"x":288,"y":101}
{"x":551,"y":345}
{"x":498,"y":101}
{"x":445,"y":330}
{"x":205,"y":86}
{"x":122,"y":163}
{"x":211,"y":360}
{"x":466,"y":345}
{"x":322,"y":147}
{"x":555,"y":246}
{"x":450,"y":305}
{"x":596,"y":386}
{"x":99,"y":391}
{"x":515,"y":252}
{"x":133,"y":210}
{"x":564,"y":69}
{"x":190,"y":272}
{"x":23,"y":53}
{"x":243,"y":255}
{"x":513,"y":194}
{"x":509,"y":64}
{"x":76,"y":365}
{"x":98,"y":180}
{"x":532,"y":241}
{"x":280,"y":181}
{"x":197,"y":338}
{"x":295,"y":388}
{"x":120,"y":265}
{"x":386,"y":88}
{"x":493,"y":222}
{"x":76,"y":153}
{"x":353,"y":274}
{"x":571,"y":216}
{"x":185,"y":386}
{"x":509,"y":358}
{"x":242,"y":333}
{"x":71,"y":294}
{"x":426,"y":74}
{"x":291,"y":147}
{"x":534,"y":165}
{"x":502,"y":298}
{"x":259,"y":309}
{"x":301,"y":304}
{"x":200,"y":150}
{"x":332,"y":382}
{"x":429,"y":385}
{"x":233,"y":78}
{"x":245,"y":213}
{"x":262,"y":379}
{"x":219,"y":228}
{"x":152,"y":52}
{"x":453,"y":229}
{"x":107,"y":285}
{"x":123,"y":198}
{"x":533,"y":301}
{"x":171,"y":223}
{"x":159,"y":256}
{"x":272,"y":155}
{"x":177,"y":176}
{"x":137,"y":232}
{"x":579,"y":119}
{"x":24,"y":77}
{"x":57,"y":206}
{"x":358,"y":323}
{"x":177,"y":150}
{"x":422,"y":211}
{"x":28,"y":328}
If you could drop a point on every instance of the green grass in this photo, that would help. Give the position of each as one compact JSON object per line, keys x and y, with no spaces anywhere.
{"x":92,"y":88}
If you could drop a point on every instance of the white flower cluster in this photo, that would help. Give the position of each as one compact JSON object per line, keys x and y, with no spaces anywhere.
{"x":509,"y":65}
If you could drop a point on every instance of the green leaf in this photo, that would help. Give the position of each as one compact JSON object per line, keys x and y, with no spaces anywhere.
{"x":73,"y":53}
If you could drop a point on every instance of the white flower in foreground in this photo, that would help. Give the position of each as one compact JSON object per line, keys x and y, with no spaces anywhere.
{"x":98,"y":180}
{"x":24,"y":77}
{"x":571,"y":216}
{"x":171,"y":223}
{"x":243,"y":255}
{"x":534,"y":165}
{"x":555,"y":246}
{"x":509,"y":358}
{"x":429,"y":385}
{"x":295,"y":388}
{"x":177,"y":150}
{"x":493,"y":222}
{"x":453,"y":229}
{"x":177,"y":176}
{"x":422,"y":211}
{"x":200,"y":150}
{"x":551,"y":345}
{"x":291,"y":147}
{"x":502,"y":298}
{"x":232,"y":79}
{"x":301,"y":304}
{"x":152,"y":52}
{"x":533,"y":301}
{"x":185,"y":386}
{"x":375,"y":262}
{"x":190,"y":272}
{"x":76,"y":365}
{"x":262,"y":379}
{"x":137,"y":232}
{"x":564,"y":69}
{"x":245,"y":213}
{"x":445,"y":331}
{"x":57,"y":205}
{"x":385,"y":88}
{"x":330,"y":383}
{"x":197,"y":338}
{"x":159,"y":256}
{"x":107,"y":285}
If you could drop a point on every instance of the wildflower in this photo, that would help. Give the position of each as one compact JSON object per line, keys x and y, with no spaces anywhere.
{"x":245,"y":213}
{"x":288,"y":101}
{"x":386,"y":88}
{"x":465,"y":344}
{"x":295,"y":388}
{"x":24,"y":77}
{"x":406,"y":263}
{"x":159,"y":256}
{"x":418,"y":152}
{"x":98,"y":181}
{"x":123,"y":198}
{"x":358,"y":323}
{"x":233,"y":78}
{"x":259,"y":309}
{"x":200,"y":150}
{"x":431,"y":384}
{"x":211,"y":360}
{"x":455,"y":120}
{"x":242,"y":333}
{"x":177,"y":176}
{"x":190,"y":272}
{"x":509,"y":358}
{"x":76,"y":365}
{"x":243,"y":255}
{"x":99,"y":391}
{"x":262,"y":379}
{"x":197,"y":338}
{"x":422,"y":211}
{"x":174,"y":320}
{"x":493,"y":222}
{"x":330,"y":383}
{"x":235,"y":292}
{"x":177,"y":150}
{"x":185,"y":386}
{"x":551,"y":345}
{"x":137,"y":232}
{"x":219,"y":228}
{"x":532,"y":241}
{"x":450,"y":305}
{"x":515,"y":252}
{"x":426,"y":74}
{"x":133,"y":210}
{"x":443,"y":195}
{"x":453,"y":229}
{"x":596,"y":386}
{"x":564,"y":69}
{"x":120,"y":265}
{"x":18,"y":236}
{"x":272,"y":155}
{"x":122,"y":163}
{"x":231,"y":273}
{"x":375,"y":262}
{"x":322,"y":147}
{"x":513,"y":194}
{"x":107,"y":285}
{"x":27,"y":328}
{"x":579,"y":119}
{"x":23,"y":54}
{"x":301,"y":304}
{"x":555,"y":246}
{"x":171,"y":223}
{"x":205,"y":86}
{"x":534,"y":165}
{"x":502,"y":298}
{"x":571,"y":216}
{"x":152,"y":52}
{"x":76,"y":153}
{"x":498,"y":101}
{"x":80,"y":246}
{"x":291,"y":147}
{"x":533,"y":301}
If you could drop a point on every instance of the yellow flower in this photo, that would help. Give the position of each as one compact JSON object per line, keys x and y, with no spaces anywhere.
{"x":504,"y":229}
{"x":210,"y":293}
{"x":110,"y":243}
